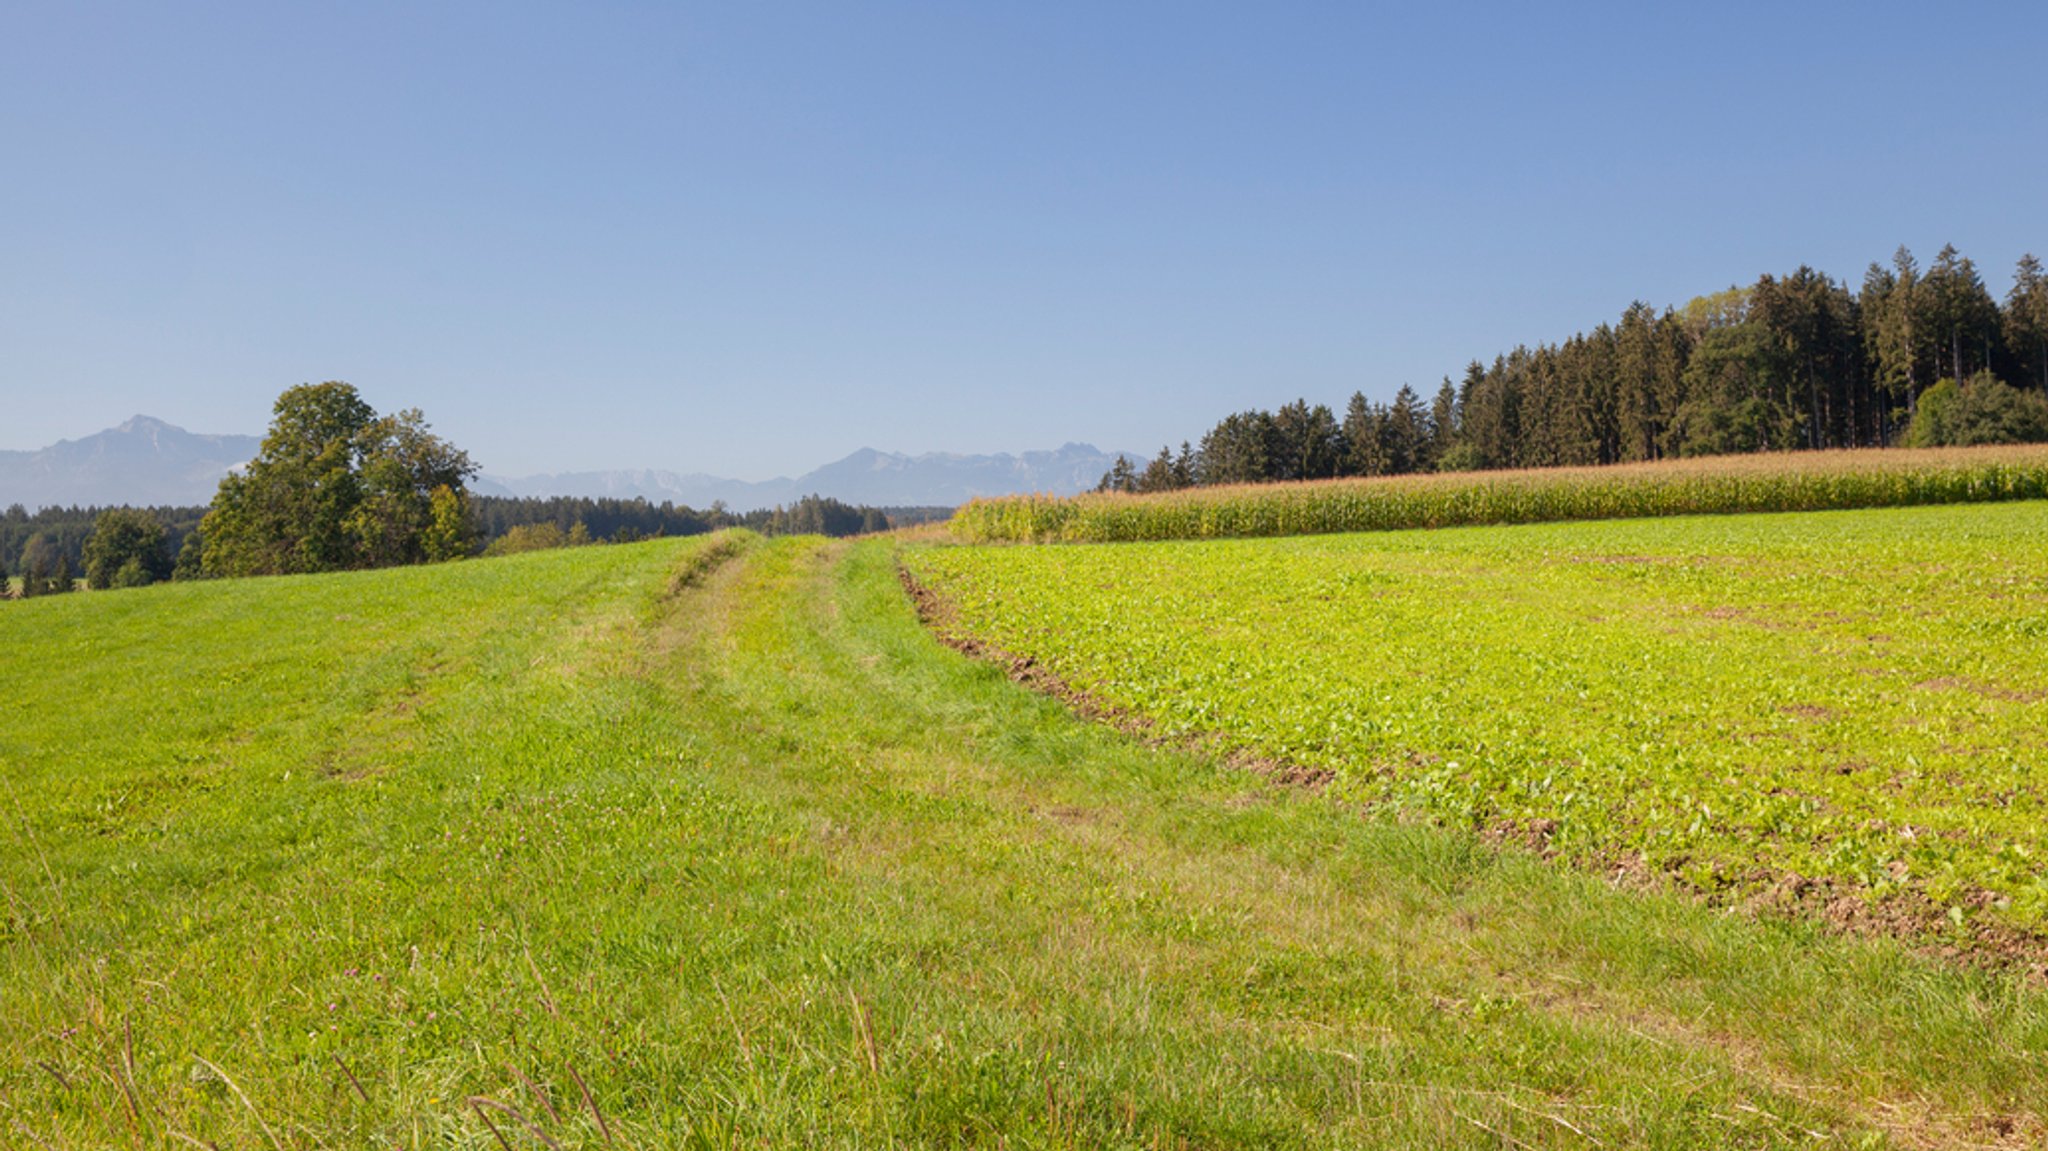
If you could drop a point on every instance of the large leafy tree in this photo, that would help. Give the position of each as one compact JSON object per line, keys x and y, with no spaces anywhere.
{"x":127,"y":549}
{"x":337,"y":487}
{"x":1983,"y":410}
{"x":1739,"y":384}
{"x":45,"y":569}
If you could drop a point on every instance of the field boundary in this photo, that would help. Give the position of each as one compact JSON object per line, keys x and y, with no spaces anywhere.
{"x":1718,"y":485}
{"x":1905,"y":916}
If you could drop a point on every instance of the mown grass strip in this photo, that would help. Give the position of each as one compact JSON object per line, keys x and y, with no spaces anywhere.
{"x":1801,"y":481}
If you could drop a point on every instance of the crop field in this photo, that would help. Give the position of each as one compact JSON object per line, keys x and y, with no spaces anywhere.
{"x":710,"y":844}
{"x":1715,"y":485}
{"x":1843,"y":713}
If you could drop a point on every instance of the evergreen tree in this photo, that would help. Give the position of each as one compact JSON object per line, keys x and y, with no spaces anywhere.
{"x":1962,"y":314}
{"x":1362,"y":433}
{"x":1813,"y":320}
{"x":1160,"y":475}
{"x":1635,"y":391}
{"x":2026,"y":323}
{"x":1406,"y":433}
{"x":1443,"y":423}
{"x":1121,"y":477}
{"x":1235,"y":450}
{"x":1304,"y":442}
{"x":1798,"y":361}
{"x":1884,"y":308}
{"x":1492,"y":410}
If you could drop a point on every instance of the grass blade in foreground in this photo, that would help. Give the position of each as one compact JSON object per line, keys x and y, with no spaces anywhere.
{"x":570,"y":846}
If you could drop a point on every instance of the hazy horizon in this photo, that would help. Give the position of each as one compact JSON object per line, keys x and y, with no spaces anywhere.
{"x":745,"y":243}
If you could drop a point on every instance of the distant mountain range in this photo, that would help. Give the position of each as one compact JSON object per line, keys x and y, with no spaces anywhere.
{"x":143,"y":462}
{"x":883,"y":479}
{"x":146,"y":461}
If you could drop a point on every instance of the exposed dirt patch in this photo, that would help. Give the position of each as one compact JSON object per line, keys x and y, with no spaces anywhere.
{"x":940,"y":619}
{"x":1976,"y":687}
{"x":1753,"y":619}
{"x":1531,"y":834}
{"x":1811,"y":711}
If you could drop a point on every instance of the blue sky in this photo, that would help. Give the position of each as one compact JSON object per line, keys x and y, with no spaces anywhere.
{"x":749,"y":239}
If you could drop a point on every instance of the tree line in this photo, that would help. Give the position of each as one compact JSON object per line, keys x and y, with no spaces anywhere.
{"x":1802,"y":361}
{"x":50,"y":550}
{"x":335,"y":487}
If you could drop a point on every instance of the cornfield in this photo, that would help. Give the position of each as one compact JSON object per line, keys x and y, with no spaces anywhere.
{"x":1791,"y":482}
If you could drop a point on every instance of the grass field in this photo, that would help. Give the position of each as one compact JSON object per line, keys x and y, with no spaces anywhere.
{"x":710,"y":844}
{"x":1714,"y":485}
{"x":1757,"y":703}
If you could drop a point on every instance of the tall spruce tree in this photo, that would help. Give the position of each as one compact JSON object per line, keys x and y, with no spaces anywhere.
{"x":2026,"y":323}
{"x":1962,"y":313}
{"x":1235,"y":450}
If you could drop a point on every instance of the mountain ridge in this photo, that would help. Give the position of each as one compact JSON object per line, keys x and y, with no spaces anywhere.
{"x":142,"y":461}
{"x":147,"y":461}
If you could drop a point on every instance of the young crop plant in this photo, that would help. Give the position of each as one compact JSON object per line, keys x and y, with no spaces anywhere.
{"x":1843,"y":714}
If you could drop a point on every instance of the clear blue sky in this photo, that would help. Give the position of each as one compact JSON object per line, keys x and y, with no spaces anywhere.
{"x":748,"y":239}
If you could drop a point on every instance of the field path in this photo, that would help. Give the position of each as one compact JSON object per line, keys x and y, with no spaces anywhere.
{"x":1180,"y":940}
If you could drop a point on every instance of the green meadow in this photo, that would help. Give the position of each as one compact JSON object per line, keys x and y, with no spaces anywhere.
{"x":711,"y":844}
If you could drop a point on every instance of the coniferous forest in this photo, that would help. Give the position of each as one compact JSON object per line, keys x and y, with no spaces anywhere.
{"x":1926,"y":357}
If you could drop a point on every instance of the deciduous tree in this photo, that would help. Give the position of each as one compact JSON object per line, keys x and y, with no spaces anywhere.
{"x":127,"y":549}
{"x":336,"y":487}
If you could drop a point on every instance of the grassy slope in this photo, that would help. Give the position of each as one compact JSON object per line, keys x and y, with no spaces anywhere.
{"x":1858,"y":697}
{"x":762,"y":864}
